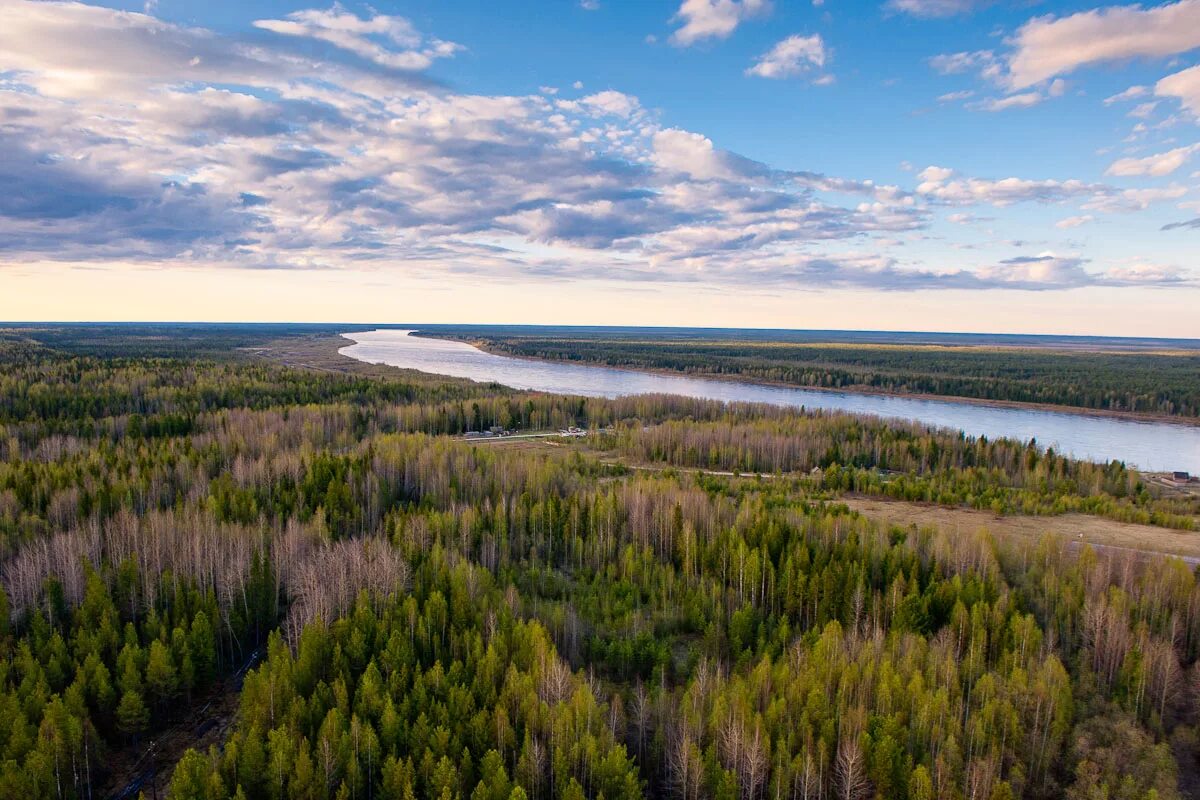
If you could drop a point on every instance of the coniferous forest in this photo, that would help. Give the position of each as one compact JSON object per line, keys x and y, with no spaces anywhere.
{"x":226,"y":577}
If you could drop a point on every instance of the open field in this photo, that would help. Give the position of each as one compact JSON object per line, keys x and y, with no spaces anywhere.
{"x":1081,"y":528}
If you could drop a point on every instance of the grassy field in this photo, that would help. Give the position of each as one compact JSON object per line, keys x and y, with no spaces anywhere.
{"x":1073,"y":528}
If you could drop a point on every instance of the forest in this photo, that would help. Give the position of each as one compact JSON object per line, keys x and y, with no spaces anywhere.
{"x":1161,"y":382}
{"x":223,"y":577}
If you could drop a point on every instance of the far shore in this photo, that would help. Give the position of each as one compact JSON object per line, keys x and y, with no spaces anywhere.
{"x":1141,"y":416}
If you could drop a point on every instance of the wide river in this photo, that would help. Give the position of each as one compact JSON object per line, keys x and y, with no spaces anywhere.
{"x":1148,"y":445}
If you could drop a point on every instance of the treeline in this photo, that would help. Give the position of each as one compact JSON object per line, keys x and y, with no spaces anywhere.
{"x":44,"y":393}
{"x":198,"y":340}
{"x":1156,"y":383}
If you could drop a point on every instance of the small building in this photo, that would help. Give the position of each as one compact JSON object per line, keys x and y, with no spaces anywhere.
{"x":1180,"y":477}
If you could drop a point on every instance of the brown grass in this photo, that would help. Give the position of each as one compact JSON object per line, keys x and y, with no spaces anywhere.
{"x":1096,"y":531}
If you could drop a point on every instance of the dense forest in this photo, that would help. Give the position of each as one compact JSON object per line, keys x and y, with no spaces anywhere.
{"x":1162,"y":382}
{"x":404,"y":613}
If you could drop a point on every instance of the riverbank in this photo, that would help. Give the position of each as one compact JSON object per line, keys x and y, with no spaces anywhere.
{"x":484,"y":345}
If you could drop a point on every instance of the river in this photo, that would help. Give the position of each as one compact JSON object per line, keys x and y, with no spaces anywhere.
{"x":1146,"y":444}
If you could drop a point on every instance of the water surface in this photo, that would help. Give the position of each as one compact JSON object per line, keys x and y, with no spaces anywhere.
{"x":1148,"y":445}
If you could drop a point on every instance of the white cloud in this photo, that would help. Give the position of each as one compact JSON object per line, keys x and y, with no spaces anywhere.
{"x":935,"y":8}
{"x":1185,"y":86}
{"x":934,"y":175}
{"x":1048,"y":46}
{"x":1132,"y":93}
{"x":1049,"y":271}
{"x":956,"y":63}
{"x":690,"y":153}
{"x":1046,"y":270}
{"x":1143,"y":110}
{"x":1056,"y":88}
{"x":617,"y":104}
{"x":387,"y":40}
{"x":1130,"y":200}
{"x":713,"y":19}
{"x":944,"y":186}
{"x":963,"y":218}
{"x":1022,"y":100}
{"x":952,"y":97}
{"x":1155,"y":165}
{"x":1074,"y":222}
{"x":1145,"y":273}
{"x":791,"y":56}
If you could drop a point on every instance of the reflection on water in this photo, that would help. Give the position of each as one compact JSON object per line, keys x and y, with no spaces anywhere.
{"x":1147,"y":445}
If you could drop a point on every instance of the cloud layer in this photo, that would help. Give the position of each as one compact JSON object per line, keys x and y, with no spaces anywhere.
{"x":321,"y":142}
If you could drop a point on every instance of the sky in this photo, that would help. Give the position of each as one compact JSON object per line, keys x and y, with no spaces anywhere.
{"x":956,"y":165}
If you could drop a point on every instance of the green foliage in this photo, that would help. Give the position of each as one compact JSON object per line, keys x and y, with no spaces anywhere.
{"x":447,"y":619}
{"x":415,"y":698}
{"x":132,"y":715}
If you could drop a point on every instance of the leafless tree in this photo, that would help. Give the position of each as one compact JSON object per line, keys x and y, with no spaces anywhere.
{"x":851,"y":770}
{"x":326,"y":584}
{"x":554,"y":685}
{"x":684,"y":765}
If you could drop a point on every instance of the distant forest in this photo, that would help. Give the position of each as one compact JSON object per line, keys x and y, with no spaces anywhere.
{"x":225,"y":578}
{"x":1108,"y":379}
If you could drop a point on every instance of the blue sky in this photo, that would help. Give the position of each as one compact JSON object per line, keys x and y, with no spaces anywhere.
{"x":933,"y":164}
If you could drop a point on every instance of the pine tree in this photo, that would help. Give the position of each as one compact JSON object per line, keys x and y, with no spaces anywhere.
{"x":132,"y":714}
{"x":161,"y":677}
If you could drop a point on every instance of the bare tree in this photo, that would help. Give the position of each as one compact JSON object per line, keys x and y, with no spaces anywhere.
{"x":684,"y":766}
{"x":851,"y":770}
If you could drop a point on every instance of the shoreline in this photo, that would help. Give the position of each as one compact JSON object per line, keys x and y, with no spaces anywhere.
{"x":1128,"y":416}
